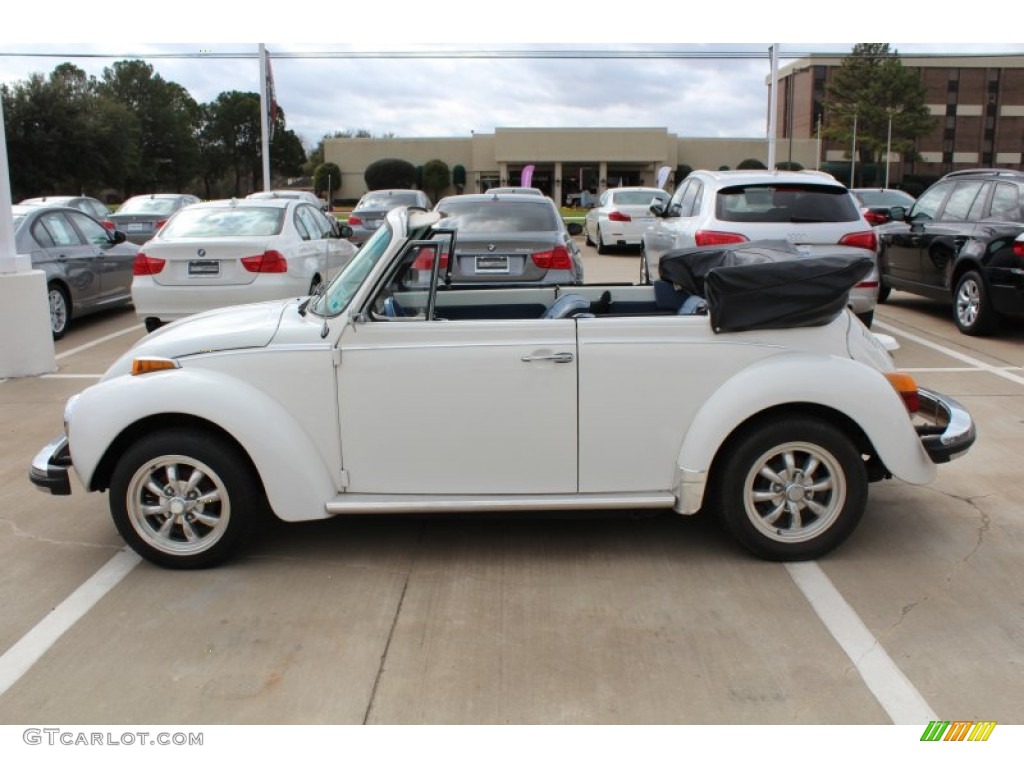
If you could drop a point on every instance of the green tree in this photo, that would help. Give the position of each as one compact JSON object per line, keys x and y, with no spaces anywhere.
{"x":788,"y":165}
{"x":459,"y":178}
{"x":390,"y":173}
{"x":436,"y":178}
{"x":872,"y":87}
{"x":326,"y":175}
{"x":751,"y":164}
{"x":167,"y":146}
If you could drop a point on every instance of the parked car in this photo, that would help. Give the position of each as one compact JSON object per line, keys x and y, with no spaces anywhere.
{"x":88,"y":268}
{"x":372,"y":207}
{"x":515,"y":191}
{"x":621,"y":216}
{"x":374,"y":397}
{"x":225,"y":252}
{"x":957,"y":244}
{"x":89,"y":205}
{"x":877,"y":204}
{"x":809,"y":209}
{"x":511,"y":239}
{"x":141,"y":216}
{"x":293,"y":194}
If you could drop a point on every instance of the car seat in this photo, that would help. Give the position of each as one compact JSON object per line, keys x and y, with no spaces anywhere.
{"x":568,"y":305}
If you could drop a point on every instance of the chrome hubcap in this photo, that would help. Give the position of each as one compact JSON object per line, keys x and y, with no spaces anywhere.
{"x":794,"y":492}
{"x":968,"y":301}
{"x":178,"y":505}
{"x":58,"y":311}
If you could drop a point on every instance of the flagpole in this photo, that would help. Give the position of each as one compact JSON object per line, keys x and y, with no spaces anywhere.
{"x":265,"y":116}
{"x":773,"y":52}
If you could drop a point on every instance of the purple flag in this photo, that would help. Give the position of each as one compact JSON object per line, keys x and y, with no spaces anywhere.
{"x":526,"y":177}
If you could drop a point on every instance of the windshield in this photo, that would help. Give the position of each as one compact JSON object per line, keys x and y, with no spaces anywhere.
{"x":763,"y":203}
{"x":240,"y":221}
{"x":341,"y":290}
{"x":639,"y":197}
{"x":159,"y":206}
{"x":387,"y":201}
{"x":499,"y":216}
{"x":885,"y":197}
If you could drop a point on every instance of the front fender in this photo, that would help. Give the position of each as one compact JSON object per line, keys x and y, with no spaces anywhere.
{"x":859,"y":392}
{"x":297,"y":482}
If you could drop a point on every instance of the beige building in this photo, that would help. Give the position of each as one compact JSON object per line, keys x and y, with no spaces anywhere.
{"x":566,"y":160}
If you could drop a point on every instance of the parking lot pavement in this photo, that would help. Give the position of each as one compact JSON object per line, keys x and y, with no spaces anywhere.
{"x":577,"y":619}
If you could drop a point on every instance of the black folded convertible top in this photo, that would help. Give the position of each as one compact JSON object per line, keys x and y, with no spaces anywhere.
{"x":765,"y":284}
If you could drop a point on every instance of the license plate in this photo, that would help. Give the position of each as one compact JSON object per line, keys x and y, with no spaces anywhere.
{"x":203,"y":268}
{"x":136,"y":227}
{"x":492,"y":264}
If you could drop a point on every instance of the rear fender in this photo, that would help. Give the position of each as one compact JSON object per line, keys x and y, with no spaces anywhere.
{"x":842,"y":385}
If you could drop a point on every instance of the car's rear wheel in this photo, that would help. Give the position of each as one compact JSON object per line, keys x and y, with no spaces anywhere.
{"x":791,"y":488}
{"x":586,"y":234}
{"x":645,"y":275}
{"x":883,"y":291}
{"x":601,"y":247}
{"x":60,"y":310}
{"x":184,"y":498}
{"x":972,"y":307}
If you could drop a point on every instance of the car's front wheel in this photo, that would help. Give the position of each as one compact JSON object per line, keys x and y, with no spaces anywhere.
{"x":972,"y":307}
{"x":184,"y":498}
{"x":60,"y":310}
{"x":791,"y":488}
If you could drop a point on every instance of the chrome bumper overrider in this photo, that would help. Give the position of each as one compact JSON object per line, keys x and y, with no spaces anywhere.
{"x":49,"y":471}
{"x":949,"y":430}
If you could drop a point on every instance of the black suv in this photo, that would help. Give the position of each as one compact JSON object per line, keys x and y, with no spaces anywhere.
{"x":958,"y":243}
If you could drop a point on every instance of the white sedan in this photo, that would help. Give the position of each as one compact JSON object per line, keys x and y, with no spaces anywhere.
{"x":387,"y":393}
{"x":621,"y":216}
{"x":226,"y":252}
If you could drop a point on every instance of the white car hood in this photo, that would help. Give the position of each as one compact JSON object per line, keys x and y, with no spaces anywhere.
{"x":238,"y":327}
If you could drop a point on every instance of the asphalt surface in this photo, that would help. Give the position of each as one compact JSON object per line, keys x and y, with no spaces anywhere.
{"x":579,"y":619}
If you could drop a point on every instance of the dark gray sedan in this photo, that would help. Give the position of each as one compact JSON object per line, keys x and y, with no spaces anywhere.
{"x":372,"y":207}
{"x":510,"y":239}
{"x":88,"y":268}
{"x":141,"y":217}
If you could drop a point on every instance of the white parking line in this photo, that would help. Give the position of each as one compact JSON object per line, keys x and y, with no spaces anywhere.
{"x":972,"y":361}
{"x":97,"y":342}
{"x":72,"y":376}
{"x":897,"y":695}
{"x":21,"y":656}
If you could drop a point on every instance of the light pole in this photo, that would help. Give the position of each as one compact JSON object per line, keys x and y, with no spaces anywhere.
{"x":888,"y":143}
{"x":853,"y":152}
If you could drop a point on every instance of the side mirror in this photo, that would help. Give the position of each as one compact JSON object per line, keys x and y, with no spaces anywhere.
{"x":898,"y":213}
{"x":658,"y":208}
{"x":343,"y":231}
{"x":117,"y":236}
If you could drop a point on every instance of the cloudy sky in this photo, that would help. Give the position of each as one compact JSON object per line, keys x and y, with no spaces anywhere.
{"x":390,"y":81}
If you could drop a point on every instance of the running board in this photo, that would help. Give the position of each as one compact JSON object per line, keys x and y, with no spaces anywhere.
{"x":374,"y":503}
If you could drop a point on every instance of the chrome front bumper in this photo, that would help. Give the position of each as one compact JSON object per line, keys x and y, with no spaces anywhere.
{"x":49,"y":471}
{"x":949,"y":430}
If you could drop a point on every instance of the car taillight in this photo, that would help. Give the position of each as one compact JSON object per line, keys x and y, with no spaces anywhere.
{"x":875,"y":218}
{"x":108,"y":224}
{"x":557,"y":258}
{"x":268,"y":261}
{"x":710,"y":237}
{"x":1018,"y":247}
{"x":906,"y":387}
{"x":866,"y":240}
{"x":146,"y":265}
{"x":618,"y":216}
{"x":425,"y":259}
{"x":354,"y":220}
{"x":159,"y":223}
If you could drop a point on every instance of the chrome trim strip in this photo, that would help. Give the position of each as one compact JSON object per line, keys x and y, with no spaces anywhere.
{"x":371,"y":503}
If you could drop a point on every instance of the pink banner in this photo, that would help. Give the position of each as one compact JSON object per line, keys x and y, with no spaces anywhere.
{"x":526,"y":177}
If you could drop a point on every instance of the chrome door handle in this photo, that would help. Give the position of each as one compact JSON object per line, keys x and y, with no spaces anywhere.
{"x":558,"y":357}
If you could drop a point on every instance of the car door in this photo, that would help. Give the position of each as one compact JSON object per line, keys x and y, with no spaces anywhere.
{"x":942,"y":237}
{"x":474,"y":406}
{"x":903,"y":241}
{"x":73,"y":260}
{"x":113,"y":264}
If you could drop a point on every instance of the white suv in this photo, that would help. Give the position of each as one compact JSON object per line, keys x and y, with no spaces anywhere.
{"x":809,"y":209}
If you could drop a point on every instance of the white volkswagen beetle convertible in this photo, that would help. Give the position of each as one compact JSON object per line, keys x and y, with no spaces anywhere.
{"x":389,"y":392}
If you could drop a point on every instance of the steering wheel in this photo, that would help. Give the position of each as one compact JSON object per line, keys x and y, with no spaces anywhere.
{"x":392,"y":308}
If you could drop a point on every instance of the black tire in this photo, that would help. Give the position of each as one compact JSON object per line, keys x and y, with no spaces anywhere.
{"x":814,"y":502}
{"x":586,"y":234}
{"x":883,"y":291}
{"x":601,"y":247}
{"x":867,"y":318}
{"x":210,"y":503}
{"x":972,"y":306}
{"x":152,"y":324}
{"x":60,"y":310}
